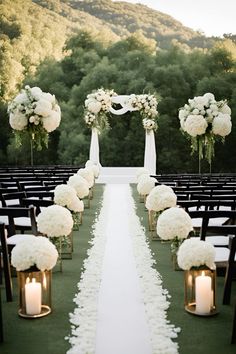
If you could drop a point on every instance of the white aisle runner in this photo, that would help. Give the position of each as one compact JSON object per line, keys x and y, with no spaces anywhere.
{"x":121,"y":325}
{"x":121,"y":305}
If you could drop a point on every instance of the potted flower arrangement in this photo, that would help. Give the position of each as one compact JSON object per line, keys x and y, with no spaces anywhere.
{"x":197,"y":259}
{"x":174,"y":224}
{"x":160,"y":198}
{"x":33,"y":259}
{"x":56,"y":222}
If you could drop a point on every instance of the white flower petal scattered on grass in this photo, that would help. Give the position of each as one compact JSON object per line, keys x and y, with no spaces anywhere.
{"x":155,"y":298}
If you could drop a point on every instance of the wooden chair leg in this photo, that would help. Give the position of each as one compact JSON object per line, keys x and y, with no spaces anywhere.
{"x":227,"y":286}
{"x":6,"y":264}
{"x":1,"y":322}
{"x":233,"y":338}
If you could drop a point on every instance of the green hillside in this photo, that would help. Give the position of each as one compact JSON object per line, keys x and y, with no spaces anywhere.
{"x":30,"y":31}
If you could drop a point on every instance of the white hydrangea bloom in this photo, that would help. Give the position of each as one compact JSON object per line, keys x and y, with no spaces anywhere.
{"x":55,"y":221}
{"x":158,"y":202}
{"x":222,"y":125}
{"x":18,"y":121}
{"x":195,"y":125}
{"x":145,"y":186}
{"x":174,"y":222}
{"x":80,"y":185}
{"x":195,"y":253}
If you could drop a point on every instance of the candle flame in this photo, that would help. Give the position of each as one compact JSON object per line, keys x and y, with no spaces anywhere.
{"x":33,"y":280}
{"x":203,"y":273}
{"x":27,"y":280}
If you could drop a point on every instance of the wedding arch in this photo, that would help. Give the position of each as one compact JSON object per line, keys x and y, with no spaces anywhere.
{"x":98,"y":105}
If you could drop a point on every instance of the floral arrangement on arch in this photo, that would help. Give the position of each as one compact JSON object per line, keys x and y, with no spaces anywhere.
{"x":98,"y":103}
{"x":35,"y":113}
{"x":205,"y":120}
{"x":35,"y":251}
{"x":97,"y":107}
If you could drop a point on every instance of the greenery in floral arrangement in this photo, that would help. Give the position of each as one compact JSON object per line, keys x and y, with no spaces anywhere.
{"x":34,"y":113}
{"x":204,"y":120}
{"x":98,"y":103}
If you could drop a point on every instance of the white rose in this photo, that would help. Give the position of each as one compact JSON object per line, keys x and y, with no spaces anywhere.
{"x":94,"y":106}
{"x":21,"y":98}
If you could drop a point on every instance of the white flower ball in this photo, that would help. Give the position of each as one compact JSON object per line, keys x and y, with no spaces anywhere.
{"x":52,"y":122}
{"x":195,"y":253}
{"x":46,"y":254}
{"x":195,"y":125}
{"x":222,"y":125}
{"x":87,"y":173}
{"x":80,"y":185}
{"x":174,"y":222}
{"x":76,"y":205}
{"x":158,"y":202}
{"x":18,"y":121}
{"x":21,"y":98}
{"x":162,"y":188}
{"x":94,"y":106}
{"x":141,"y":171}
{"x":64,"y":194}
{"x":43,"y":108}
{"x":145,"y":186}
{"x":55,"y":221}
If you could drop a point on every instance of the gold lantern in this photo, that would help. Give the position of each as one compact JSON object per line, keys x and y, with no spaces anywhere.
{"x":200,"y":291}
{"x":34,"y":293}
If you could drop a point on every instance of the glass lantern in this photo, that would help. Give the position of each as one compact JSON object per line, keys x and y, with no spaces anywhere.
{"x":34,"y":293}
{"x":200,"y":291}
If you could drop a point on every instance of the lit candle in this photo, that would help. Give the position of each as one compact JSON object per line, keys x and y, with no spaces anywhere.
{"x":33,"y":297}
{"x":203,"y":294}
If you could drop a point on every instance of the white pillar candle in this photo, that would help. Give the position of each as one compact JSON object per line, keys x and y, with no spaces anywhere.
{"x":203,"y":294}
{"x":33,"y":297}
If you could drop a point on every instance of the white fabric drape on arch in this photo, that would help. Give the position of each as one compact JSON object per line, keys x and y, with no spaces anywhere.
{"x":150,"y":152}
{"x":94,"y":147}
{"x":150,"y":147}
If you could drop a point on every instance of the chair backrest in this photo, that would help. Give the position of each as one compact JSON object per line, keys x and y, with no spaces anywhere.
{"x":17,"y":212}
{"x":37,"y":203}
{"x":6,"y":263}
{"x":206,"y":215}
{"x":12,"y":199}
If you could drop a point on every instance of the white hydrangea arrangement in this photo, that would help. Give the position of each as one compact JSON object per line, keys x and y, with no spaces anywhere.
{"x":35,"y":113}
{"x":204,"y":120}
{"x":174,"y":224}
{"x":94,"y":166}
{"x":87,"y":174}
{"x":36,"y":251}
{"x":196,"y":253}
{"x":158,"y":201}
{"x":55,"y":221}
{"x":66,"y":196}
{"x":145,"y":185}
{"x":142,"y":171}
{"x":80,"y":185}
{"x":97,"y":107}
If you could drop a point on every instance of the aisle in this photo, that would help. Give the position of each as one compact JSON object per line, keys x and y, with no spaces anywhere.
{"x":121,"y":305}
{"x":121,"y":325}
